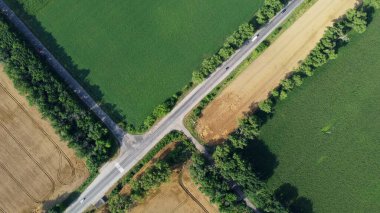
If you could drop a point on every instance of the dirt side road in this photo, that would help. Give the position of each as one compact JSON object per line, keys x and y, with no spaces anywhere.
{"x":253,"y":85}
{"x":36,"y":167}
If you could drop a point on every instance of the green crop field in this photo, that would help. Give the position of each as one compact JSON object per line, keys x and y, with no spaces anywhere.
{"x":325,"y":135}
{"x":135,"y":54}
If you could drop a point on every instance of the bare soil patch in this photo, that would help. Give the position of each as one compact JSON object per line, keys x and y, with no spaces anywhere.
{"x":172,"y":197}
{"x":37,"y":169}
{"x":253,"y":85}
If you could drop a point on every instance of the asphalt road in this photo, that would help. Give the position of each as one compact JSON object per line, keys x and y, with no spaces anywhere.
{"x":138,"y":146}
{"x":134,"y":147}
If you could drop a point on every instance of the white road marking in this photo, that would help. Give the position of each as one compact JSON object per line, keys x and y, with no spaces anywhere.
{"x":118,"y":167}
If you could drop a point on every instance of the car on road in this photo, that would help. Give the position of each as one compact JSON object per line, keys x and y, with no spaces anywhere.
{"x":81,"y":201}
{"x":255,"y":37}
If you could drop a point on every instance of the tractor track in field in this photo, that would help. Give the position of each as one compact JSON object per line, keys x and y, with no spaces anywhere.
{"x":18,"y":184}
{"x":60,"y":151}
{"x":180,"y":181}
{"x":34,"y":160}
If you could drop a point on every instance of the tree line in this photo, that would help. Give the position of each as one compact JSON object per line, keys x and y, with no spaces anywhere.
{"x":68,"y":115}
{"x":231,"y":163}
{"x":237,"y":39}
{"x":214,"y":185}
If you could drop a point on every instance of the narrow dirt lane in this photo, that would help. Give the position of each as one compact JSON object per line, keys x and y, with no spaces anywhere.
{"x":263,"y":75}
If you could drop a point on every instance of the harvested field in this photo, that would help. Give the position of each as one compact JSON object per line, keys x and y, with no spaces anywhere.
{"x":37,"y":168}
{"x":252,"y":86}
{"x":178,"y":195}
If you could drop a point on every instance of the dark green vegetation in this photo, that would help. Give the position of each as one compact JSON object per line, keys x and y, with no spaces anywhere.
{"x":325,"y":136}
{"x":152,"y":177}
{"x":247,"y":159}
{"x":215,"y":186}
{"x":133,"y":55}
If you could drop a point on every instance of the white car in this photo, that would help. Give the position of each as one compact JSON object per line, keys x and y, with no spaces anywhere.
{"x":81,"y":201}
{"x":254,"y":38}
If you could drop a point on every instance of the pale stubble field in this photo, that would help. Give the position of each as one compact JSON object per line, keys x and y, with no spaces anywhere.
{"x":37,"y":169}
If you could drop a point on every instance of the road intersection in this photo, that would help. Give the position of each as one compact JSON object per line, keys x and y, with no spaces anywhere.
{"x":138,"y":146}
{"x":135,"y":147}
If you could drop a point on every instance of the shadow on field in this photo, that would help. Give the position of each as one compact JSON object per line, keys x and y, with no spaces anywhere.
{"x":287,"y":195}
{"x":264,"y":162}
{"x":49,"y":204}
{"x":261,"y":158}
{"x":61,"y":55}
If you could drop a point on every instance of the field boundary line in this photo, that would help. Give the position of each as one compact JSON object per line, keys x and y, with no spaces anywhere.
{"x":31,"y":157}
{"x":188,"y":192}
{"x":60,"y":151}
{"x":180,"y":205}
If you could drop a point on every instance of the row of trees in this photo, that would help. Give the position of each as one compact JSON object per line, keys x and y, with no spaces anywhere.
{"x":154,"y":176}
{"x":209,"y":65}
{"x":237,"y":39}
{"x":230,"y":161}
{"x":334,"y":38}
{"x":67,"y":114}
{"x":269,"y":10}
{"x":232,"y":43}
{"x":214,"y":185}
{"x":158,"y":112}
{"x":231,"y":165}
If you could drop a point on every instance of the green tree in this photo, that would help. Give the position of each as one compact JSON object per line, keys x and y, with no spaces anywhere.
{"x":283,"y":95}
{"x":297,"y":79}
{"x":266,"y":106}
{"x":249,"y":128}
{"x":372,"y":3}
{"x":357,"y":20}
{"x":197,"y":77}
{"x":268,"y":11}
{"x":118,"y":204}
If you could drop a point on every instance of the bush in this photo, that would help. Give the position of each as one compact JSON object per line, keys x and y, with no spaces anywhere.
{"x":268,"y":11}
{"x":266,"y":106}
{"x":215,"y":186}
